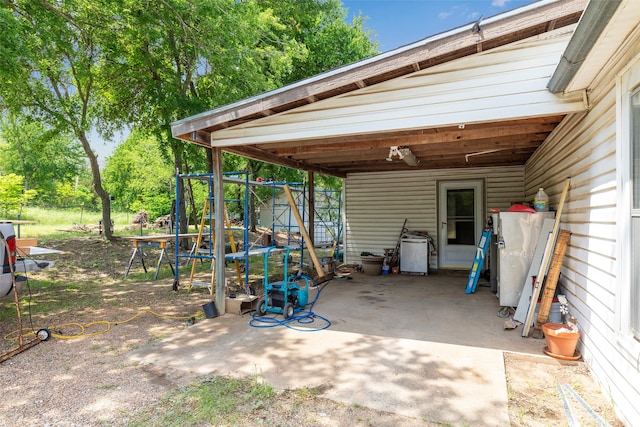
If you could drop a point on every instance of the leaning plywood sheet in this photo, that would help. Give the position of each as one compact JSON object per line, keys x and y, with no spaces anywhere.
{"x":525,"y":295}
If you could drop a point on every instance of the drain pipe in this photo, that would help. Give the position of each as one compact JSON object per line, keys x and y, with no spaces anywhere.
{"x":593,"y":21}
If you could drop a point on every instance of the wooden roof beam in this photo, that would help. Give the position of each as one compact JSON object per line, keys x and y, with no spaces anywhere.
{"x":199,"y":137}
{"x":465,"y":147}
{"x":412,"y":140}
{"x":258,"y":154}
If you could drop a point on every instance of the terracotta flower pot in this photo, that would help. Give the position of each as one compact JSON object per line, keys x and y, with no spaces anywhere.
{"x":560,"y":340}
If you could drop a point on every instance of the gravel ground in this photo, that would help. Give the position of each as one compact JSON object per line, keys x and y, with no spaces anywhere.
{"x":76,"y":382}
{"x":89,"y":380}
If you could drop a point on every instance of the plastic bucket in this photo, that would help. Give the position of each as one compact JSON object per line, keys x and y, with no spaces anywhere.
{"x":210,"y":310}
{"x":554,"y":313}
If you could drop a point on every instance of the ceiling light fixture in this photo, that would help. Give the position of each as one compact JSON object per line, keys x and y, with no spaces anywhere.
{"x":408,"y":157}
{"x":403,"y":154}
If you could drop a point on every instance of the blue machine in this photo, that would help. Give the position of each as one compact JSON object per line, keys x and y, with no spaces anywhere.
{"x":285,"y":296}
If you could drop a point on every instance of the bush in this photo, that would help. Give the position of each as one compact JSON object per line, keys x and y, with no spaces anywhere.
{"x":12,"y":193}
{"x":155,"y":205}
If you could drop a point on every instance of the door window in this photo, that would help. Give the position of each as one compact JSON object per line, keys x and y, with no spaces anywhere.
{"x":460,"y":217}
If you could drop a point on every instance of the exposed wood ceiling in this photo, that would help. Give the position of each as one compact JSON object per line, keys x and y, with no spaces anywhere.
{"x":487,"y":144}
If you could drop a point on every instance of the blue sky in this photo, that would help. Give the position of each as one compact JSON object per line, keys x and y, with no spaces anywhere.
{"x":400,"y":22}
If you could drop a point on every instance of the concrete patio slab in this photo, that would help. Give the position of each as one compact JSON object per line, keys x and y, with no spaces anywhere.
{"x":413,"y":345}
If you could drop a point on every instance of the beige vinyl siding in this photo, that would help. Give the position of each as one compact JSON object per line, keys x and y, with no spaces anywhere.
{"x":499,"y":84}
{"x":584,"y":148}
{"x":376,"y":204}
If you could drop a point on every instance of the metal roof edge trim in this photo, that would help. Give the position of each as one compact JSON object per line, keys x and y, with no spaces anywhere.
{"x":594,"y":20}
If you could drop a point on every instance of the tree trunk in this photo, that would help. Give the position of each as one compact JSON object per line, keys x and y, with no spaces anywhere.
{"x":97,"y":185}
{"x":189,"y":194}
{"x":209,"y":160}
{"x":253,"y":168}
{"x":182,"y":210}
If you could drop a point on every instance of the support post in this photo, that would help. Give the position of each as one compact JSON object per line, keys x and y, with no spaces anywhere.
{"x":312,"y":209}
{"x":218,"y":205}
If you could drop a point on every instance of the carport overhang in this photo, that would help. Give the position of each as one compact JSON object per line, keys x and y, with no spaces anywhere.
{"x":471,"y":97}
{"x":455,"y":100}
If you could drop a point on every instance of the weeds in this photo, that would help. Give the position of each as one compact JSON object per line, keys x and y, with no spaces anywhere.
{"x":211,"y":401}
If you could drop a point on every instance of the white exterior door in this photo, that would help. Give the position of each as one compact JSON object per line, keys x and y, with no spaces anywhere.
{"x":460,"y":207}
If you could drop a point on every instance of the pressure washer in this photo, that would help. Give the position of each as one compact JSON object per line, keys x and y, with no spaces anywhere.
{"x":285,"y":296}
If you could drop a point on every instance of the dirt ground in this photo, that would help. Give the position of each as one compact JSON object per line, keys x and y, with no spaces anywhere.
{"x":89,"y":380}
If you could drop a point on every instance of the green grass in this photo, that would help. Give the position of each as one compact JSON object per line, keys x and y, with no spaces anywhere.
{"x":56,"y":223}
{"x":57,"y":297}
{"x":212,"y":401}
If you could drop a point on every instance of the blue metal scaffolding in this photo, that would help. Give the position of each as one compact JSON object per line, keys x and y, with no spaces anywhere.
{"x":252,"y":249}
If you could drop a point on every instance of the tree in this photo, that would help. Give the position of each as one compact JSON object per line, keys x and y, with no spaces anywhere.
{"x":173,"y":59}
{"x":50,"y":66}
{"x":138,"y":176}
{"x":320,"y":26}
{"x":12,"y":193}
{"x":68,"y":194}
{"x":45,"y":158}
{"x":81,"y":64}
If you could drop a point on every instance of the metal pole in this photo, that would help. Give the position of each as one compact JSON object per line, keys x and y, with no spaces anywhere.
{"x":245,"y":231}
{"x":176,"y":280}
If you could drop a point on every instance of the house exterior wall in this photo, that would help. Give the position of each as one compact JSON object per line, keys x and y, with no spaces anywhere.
{"x":376,"y":204}
{"x":584,"y":147}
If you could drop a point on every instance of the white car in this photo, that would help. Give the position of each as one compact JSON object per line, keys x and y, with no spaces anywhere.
{"x":13,"y":263}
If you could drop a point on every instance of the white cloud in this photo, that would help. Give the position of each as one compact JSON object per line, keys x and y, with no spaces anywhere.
{"x":473,"y":16}
{"x":499,"y":3}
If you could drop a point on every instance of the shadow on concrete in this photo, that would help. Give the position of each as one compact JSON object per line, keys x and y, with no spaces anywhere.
{"x":413,"y":345}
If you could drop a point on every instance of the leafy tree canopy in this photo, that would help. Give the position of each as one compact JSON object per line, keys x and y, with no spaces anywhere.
{"x":45,"y":157}
{"x":49,"y":69}
{"x":12,"y":194}
{"x":83,"y":64}
{"x":138,"y":177}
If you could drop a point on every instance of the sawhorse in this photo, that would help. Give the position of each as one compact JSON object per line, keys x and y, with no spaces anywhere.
{"x":159,"y":241}
{"x":138,"y":250}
